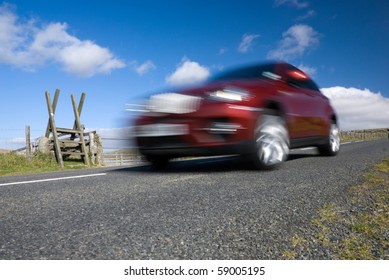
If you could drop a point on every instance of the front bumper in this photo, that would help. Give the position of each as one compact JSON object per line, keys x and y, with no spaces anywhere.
{"x":183,"y":150}
{"x":215,"y":129}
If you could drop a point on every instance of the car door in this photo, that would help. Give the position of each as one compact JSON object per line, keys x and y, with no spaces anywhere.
{"x":316,"y":113}
{"x":304,"y":103}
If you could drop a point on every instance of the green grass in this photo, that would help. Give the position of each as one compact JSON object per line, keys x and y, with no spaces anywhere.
{"x":14,"y":164}
{"x":358,"y":231}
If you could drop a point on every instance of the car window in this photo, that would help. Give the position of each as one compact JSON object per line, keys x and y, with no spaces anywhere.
{"x":265,"y":71}
{"x":306,"y":84}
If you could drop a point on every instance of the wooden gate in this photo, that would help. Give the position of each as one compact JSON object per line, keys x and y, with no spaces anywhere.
{"x":68,"y":141}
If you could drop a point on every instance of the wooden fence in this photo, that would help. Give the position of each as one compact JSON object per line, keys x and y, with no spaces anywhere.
{"x":121,"y":158}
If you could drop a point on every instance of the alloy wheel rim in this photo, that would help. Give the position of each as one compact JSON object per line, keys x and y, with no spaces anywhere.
{"x":334,"y":138}
{"x":272,"y":145}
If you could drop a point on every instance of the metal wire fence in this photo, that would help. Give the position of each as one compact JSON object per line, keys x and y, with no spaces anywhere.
{"x":12,"y":139}
{"x":119,"y":146}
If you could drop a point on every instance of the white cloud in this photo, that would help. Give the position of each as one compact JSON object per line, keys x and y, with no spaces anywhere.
{"x":295,"y":3}
{"x":297,"y":40}
{"x":29,"y":46}
{"x":247,"y":42}
{"x":309,"y":14}
{"x":359,"y":109}
{"x":11,"y":36}
{"x":187,"y":73}
{"x":145,"y":67}
{"x":311,"y":71}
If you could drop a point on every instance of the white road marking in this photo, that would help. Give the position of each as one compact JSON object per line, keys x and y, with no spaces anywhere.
{"x":344,"y":143}
{"x":53,"y":179}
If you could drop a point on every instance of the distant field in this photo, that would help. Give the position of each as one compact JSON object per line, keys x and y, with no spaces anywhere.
{"x":3,"y":151}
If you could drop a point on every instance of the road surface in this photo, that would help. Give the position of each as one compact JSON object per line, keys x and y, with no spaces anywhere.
{"x":209,"y":208}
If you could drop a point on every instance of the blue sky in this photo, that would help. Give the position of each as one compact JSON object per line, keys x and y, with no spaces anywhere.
{"x":117,"y":51}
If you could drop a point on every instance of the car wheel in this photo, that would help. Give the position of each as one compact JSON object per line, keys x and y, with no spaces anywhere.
{"x":332,"y":145}
{"x":271,"y":142}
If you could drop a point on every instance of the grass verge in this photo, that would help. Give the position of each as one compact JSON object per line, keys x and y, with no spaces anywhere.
{"x":357,"y":230}
{"x":14,"y":164}
{"x":367,"y":134}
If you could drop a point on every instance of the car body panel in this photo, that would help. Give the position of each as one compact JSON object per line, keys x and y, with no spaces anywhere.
{"x":219,"y":116}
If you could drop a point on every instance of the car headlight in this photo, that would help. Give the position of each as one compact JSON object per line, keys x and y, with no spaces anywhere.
{"x":230,"y":95}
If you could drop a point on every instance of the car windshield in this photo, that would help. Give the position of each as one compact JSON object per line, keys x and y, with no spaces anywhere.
{"x":251,"y":72}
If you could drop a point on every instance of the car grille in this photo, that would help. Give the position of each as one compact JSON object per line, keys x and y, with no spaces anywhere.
{"x":174,"y":103}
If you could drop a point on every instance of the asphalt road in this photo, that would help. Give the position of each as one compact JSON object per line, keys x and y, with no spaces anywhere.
{"x":216,"y":208}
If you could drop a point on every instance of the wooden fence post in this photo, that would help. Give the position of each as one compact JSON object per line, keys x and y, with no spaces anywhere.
{"x":81,"y":131}
{"x":80,"y":105}
{"x":92,"y":147}
{"x":28,"y":142}
{"x":53,"y":127}
{"x":53,"y":106}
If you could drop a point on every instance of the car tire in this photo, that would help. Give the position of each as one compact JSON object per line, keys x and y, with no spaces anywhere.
{"x":271,"y":141}
{"x":332,"y":145}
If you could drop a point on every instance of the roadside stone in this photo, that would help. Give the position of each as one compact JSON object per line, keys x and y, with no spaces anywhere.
{"x":43,"y":145}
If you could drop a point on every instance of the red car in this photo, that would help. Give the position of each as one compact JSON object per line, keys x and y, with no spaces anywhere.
{"x":260,"y":111}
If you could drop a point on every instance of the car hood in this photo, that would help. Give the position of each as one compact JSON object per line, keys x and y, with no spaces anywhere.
{"x":212,"y":86}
